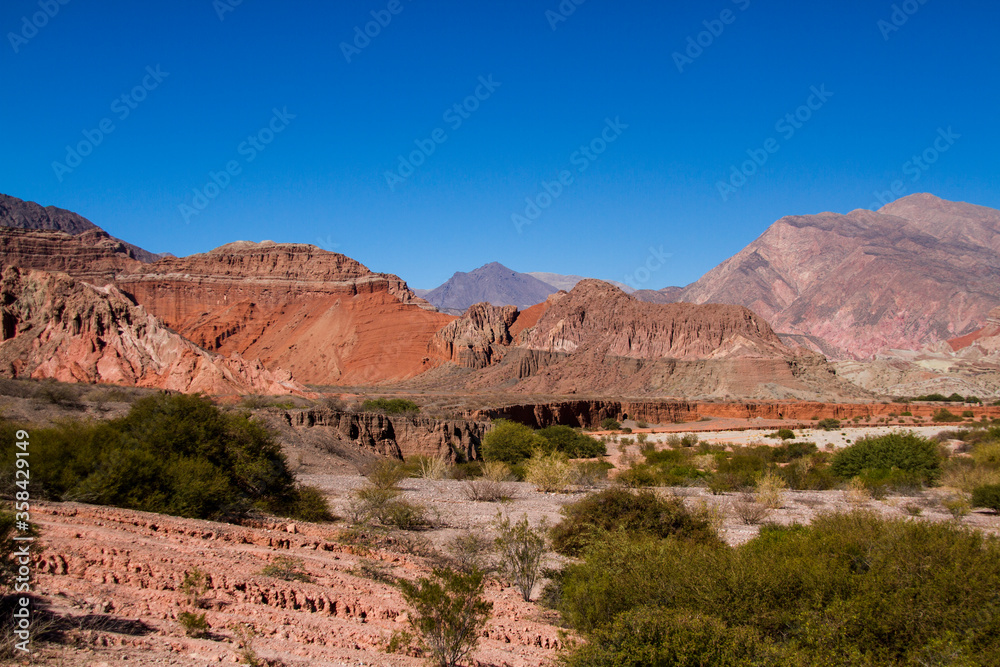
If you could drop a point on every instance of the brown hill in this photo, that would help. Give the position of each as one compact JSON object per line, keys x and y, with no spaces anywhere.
{"x":321,"y":315}
{"x":919,"y":270}
{"x":57,"y":327}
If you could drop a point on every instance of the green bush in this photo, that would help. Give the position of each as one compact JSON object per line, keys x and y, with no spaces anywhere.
{"x":944,"y":416}
{"x":610,"y":424}
{"x":907,"y":452}
{"x":173,"y":454}
{"x":449,"y":613}
{"x":851,"y":589}
{"x":389,"y":406}
{"x":511,"y":442}
{"x":828,"y":424}
{"x":654,"y":636}
{"x":572,"y":443}
{"x":785,"y":434}
{"x":642,"y":513}
{"x":987,"y":496}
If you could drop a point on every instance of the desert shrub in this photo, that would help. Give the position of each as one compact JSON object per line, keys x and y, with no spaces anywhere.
{"x":449,"y":613}
{"x":958,"y":505}
{"x":770,"y":490}
{"x":521,"y":549}
{"x":673,"y":441}
{"x":433,"y":467}
{"x":286,"y":569}
{"x":653,"y":636}
{"x":828,"y":424}
{"x":195,"y":625}
{"x":689,"y":440}
{"x":307,"y":504}
{"x":944,"y":416}
{"x":550,"y":472}
{"x":390,"y":406}
{"x":963,"y":474}
{"x":510,"y":442}
{"x":748,"y":509}
{"x":173,"y":454}
{"x":572,"y":443}
{"x":471,"y":552}
{"x":785,"y":434}
{"x":637,"y":476}
{"x":385,"y":473}
{"x":987,"y":496}
{"x":851,"y":588}
{"x":987,"y":454}
{"x":484,"y":490}
{"x":589,"y":474}
{"x":811,"y":473}
{"x":468,"y":470}
{"x":610,"y":424}
{"x":404,"y":515}
{"x":968,"y":413}
{"x":642,"y":513}
{"x":792,"y":450}
{"x":879,"y":456}
{"x":641,"y":424}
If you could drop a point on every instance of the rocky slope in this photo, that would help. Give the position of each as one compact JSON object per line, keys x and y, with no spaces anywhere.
{"x":92,"y":255}
{"x":56,"y":327}
{"x":493,"y":283}
{"x":968,"y":365}
{"x":598,"y":340}
{"x":918,"y":271}
{"x":110,"y":580}
{"x":19,"y":214}
{"x":321,"y":315}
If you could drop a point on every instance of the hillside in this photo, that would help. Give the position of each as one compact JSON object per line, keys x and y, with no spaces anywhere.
{"x":918,"y":271}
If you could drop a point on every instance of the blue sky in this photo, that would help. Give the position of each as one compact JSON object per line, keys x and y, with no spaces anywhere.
{"x":267,"y":91}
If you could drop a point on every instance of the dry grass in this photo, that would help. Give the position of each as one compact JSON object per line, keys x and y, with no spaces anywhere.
{"x":748,"y":510}
{"x":770,"y":491}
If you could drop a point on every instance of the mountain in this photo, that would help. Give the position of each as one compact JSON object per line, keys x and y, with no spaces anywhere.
{"x":493,"y":283}
{"x":566,"y":283}
{"x":19,"y":214}
{"x":57,"y":327}
{"x":918,"y":271}
{"x":598,"y":340}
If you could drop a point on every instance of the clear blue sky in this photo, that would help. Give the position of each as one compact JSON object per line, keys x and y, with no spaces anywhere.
{"x":322,"y":178}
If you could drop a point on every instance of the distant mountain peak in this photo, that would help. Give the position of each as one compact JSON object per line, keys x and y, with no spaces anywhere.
{"x":491,"y":283}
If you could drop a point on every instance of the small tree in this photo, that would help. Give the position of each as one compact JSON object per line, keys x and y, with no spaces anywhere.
{"x":521,"y":549}
{"x":448,"y":613}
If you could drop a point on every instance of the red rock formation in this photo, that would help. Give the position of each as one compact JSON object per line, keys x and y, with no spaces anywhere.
{"x":58,"y":327}
{"x":598,"y":340}
{"x":479,"y":338}
{"x":92,"y":255}
{"x":321,"y":315}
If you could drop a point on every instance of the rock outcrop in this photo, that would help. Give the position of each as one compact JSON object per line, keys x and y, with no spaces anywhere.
{"x":479,"y":338}
{"x":396,"y":436}
{"x":918,"y":271}
{"x":92,"y":255}
{"x":54,"y":326}
{"x":323,"y":316}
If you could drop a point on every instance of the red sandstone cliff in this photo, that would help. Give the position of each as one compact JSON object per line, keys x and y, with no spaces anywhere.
{"x":321,"y":315}
{"x":58,"y":327}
